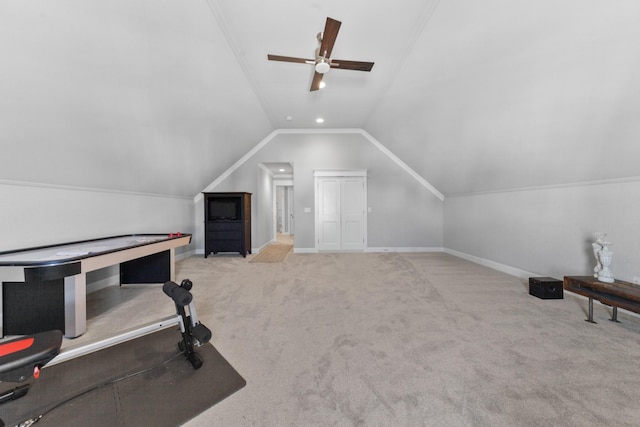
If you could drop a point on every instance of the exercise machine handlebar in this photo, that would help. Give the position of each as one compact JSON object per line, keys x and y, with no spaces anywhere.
{"x":181,"y":296}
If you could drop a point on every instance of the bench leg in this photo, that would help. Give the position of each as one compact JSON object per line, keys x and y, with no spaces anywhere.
{"x":590,"y":319}
{"x":614,"y":315}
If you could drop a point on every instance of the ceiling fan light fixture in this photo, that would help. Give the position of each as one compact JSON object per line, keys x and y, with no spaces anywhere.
{"x":321,"y":61}
{"x":322,"y":66}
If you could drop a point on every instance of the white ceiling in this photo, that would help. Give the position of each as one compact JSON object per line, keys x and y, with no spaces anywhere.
{"x":380,"y":32}
{"x":473,"y":95}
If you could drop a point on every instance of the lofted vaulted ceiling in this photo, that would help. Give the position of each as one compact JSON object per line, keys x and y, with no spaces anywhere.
{"x":378,"y":32}
{"x":474,"y":96}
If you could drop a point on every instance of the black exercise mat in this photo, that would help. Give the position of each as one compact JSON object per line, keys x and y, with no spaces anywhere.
{"x":169,"y":392}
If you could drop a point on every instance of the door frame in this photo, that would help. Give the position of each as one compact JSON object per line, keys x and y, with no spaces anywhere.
{"x":319,"y":174}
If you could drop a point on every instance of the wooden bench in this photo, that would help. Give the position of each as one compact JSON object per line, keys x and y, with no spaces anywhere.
{"x":617,"y":294}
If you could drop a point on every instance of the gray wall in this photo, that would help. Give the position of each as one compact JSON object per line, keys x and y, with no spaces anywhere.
{"x":548,"y":231}
{"x":539,"y":95}
{"x":121,"y":96}
{"x":39,"y":214}
{"x":263,"y":209}
{"x":36,"y":215}
{"x":404,"y":214}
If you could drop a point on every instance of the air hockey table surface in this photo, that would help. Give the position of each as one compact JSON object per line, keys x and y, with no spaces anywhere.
{"x":45,"y":286}
{"x":73,"y":251}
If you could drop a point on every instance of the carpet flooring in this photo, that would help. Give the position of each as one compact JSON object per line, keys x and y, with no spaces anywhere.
{"x":397,"y":339}
{"x":411,"y":339}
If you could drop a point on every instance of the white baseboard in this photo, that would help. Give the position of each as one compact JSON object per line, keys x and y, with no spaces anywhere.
{"x":371,"y":250}
{"x":186,"y":254}
{"x":112,"y":280}
{"x":492,"y":264}
{"x":523,"y":275}
{"x":404,"y":249}
{"x":257,"y":250}
{"x":305,"y":250}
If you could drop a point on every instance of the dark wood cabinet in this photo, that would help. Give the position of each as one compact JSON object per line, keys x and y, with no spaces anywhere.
{"x":227,"y":223}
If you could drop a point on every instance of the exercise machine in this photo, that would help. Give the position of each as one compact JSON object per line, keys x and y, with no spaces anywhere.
{"x":23,"y":358}
{"x":193,"y":332}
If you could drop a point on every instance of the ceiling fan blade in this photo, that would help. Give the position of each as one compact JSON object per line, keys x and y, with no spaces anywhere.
{"x":329,"y":36}
{"x":351,"y":65}
{"x":290,"y":59}
{"x":315,"y":84}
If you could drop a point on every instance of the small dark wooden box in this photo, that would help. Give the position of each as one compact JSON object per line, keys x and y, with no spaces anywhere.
{"x":545,"y":287}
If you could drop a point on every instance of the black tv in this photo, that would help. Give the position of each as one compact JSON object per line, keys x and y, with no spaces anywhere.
{"x":224,"y":208}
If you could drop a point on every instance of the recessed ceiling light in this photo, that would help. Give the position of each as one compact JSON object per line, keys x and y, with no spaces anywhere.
{"x":289,"y":118}
{"x":280,"y":170}
{"x":322,"y":84}
{"x":319,"y":120}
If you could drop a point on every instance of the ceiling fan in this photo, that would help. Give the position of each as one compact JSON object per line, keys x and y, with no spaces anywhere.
{"x":322,"y":62}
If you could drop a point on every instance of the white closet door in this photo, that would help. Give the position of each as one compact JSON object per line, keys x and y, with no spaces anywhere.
{"x":341,"y":220}
{"x":353,"y":209}
{"x":329,"y":228}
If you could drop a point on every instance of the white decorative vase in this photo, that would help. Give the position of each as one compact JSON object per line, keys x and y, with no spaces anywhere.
{"x":597,"y":247}
{"x":606,"y":258}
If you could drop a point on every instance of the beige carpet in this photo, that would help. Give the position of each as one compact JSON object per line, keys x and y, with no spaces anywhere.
{"x":275,"y":252}
{"x":414,"y":339}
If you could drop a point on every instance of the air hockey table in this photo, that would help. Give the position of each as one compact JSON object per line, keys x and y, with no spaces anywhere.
{"x":44,"y":288}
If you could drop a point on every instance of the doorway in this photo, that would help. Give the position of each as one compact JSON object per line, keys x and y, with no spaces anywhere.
{"x":282,"y":202}
{"x":284,"y":211}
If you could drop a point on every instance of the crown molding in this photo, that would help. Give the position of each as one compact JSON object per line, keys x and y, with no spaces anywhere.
{"x":551,"y":187}
{"x":12,"y":183}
